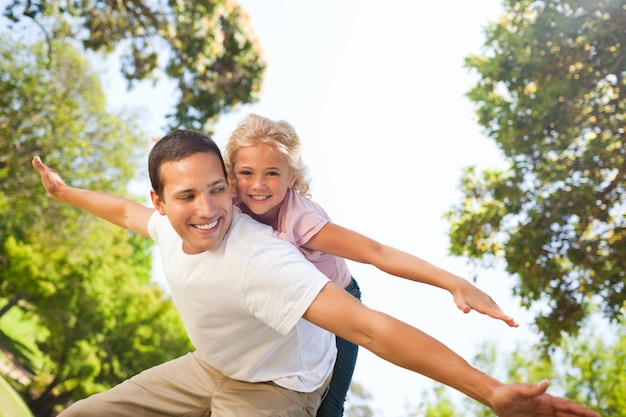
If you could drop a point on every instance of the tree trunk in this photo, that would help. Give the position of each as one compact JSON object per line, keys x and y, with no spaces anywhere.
{"x":43,"y":406}
{"x":12,"y":303}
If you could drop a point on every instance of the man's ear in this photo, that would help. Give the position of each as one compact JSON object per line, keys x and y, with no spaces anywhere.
{"x":157,"y":202}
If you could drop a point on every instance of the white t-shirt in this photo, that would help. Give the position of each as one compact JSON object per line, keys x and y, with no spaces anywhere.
{"x":242,"y":304}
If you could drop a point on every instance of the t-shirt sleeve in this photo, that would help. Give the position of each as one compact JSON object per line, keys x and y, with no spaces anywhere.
{"x":281,"y":285}
{"x":300,"y":219}
{"x":153,"y":226}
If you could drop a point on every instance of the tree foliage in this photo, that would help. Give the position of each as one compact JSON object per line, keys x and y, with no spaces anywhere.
{"x":207,"y":47}
{"x":552,"y":95}
{"x":84,"y":281}
{"x":103,"y":323}
{"x":52,"y":104}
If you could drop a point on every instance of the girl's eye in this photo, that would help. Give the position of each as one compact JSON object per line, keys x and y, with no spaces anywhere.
{"x":272,"y":174}
{"x":244,"y":173}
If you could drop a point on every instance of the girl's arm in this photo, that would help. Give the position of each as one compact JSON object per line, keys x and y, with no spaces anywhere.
{"x":348,"y":244}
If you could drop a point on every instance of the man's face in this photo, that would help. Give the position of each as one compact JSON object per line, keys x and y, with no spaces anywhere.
{"x":196,"y":200}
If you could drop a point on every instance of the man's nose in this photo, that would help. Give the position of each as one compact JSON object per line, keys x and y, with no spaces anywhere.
{"x":206,"y":205}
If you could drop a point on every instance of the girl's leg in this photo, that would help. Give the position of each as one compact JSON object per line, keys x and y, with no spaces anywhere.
{"x":332,"y":404}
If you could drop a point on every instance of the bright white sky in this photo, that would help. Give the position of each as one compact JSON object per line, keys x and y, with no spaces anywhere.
{"x":376,"y":90}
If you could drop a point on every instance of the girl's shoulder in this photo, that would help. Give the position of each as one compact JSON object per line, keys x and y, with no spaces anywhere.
{"x":295,"y":202}
{"x":299,"y":219}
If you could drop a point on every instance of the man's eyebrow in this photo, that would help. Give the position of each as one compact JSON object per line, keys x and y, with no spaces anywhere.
{"x":185,"y":191}
{"x":220,"y":181}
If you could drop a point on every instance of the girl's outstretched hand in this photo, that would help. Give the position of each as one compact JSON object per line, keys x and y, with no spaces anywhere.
{"x":468,"y":297}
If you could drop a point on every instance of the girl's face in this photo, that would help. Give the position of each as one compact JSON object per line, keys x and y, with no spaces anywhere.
{"x":262,"y":179}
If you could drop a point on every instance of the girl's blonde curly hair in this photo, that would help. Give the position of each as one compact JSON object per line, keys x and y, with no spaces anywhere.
{"x":279,"y":135}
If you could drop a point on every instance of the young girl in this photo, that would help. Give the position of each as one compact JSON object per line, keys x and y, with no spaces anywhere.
{"x":267,"y":176}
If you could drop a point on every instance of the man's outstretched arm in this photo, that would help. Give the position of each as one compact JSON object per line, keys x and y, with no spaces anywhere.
{"x":115,"y":209}
{"x":397,"y":342}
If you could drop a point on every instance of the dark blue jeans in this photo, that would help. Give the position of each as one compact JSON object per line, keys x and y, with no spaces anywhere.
{"x":332,"y":404}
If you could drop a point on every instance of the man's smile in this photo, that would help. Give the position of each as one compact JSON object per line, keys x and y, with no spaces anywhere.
{"x":207,"y":226}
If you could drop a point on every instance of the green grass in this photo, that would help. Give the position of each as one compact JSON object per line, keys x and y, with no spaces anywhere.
{"x":18,"y":335}
{"x":12,"y":404}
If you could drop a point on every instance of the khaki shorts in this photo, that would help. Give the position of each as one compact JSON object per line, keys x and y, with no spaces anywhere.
{"x":188,"y":386}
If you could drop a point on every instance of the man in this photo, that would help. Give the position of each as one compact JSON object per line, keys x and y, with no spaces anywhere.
{"x":255,"y":310}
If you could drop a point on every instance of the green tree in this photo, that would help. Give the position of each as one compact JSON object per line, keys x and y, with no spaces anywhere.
{"x":552,"y":95}
{"x":51,"y":104}
{"x":103,"y":322}
{"x":206,"y":46}
{"x":84,"y":281}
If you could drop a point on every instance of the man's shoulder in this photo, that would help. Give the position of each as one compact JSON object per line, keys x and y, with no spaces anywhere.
{"x":247,"y":232}
{"x":242,"y":223}
{"x":158,"y":226}
{"x":244,"y":229}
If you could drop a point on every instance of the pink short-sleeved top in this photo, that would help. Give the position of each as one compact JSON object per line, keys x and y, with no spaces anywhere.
{"x":299,"y":219}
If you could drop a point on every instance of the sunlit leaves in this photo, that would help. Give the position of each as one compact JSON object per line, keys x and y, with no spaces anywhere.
{"x":207,"y":47}
{"x":551,"y":94}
